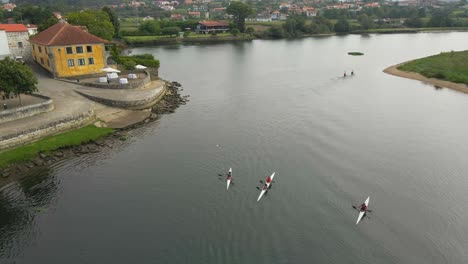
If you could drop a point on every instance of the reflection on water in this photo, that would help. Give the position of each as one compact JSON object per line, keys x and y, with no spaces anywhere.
{"x":20,"y":203}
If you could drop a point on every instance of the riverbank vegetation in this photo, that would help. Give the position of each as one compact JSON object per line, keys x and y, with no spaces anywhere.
{"x":49,"y":144}
{"x":450,"y":66}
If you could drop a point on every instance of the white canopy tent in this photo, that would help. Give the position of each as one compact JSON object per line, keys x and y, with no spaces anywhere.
{"x":140,"y":67}
{"x":110,"y":70}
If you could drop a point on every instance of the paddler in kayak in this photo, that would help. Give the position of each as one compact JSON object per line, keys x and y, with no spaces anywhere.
{"x":363,"y":208}
{"x":229,"y":176}
{"x":268,"y":180}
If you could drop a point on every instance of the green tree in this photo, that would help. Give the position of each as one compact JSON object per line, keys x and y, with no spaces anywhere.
{"x":276,"y":32}
{"x":414,"y":22}
{"x":47,"y":24}
{"x":150,"y":27}
{"x":342,"y":26}
{"x":170,"y":30}
{"x":28,"y":13}
{"x":365,"y":21}
{"x":113,"y":19}
{"x":249,"y":30}
{"x":240,"y":12}
{"x":440,"y":18}
{"x":16,"y":78}
{"x":97,"y":22}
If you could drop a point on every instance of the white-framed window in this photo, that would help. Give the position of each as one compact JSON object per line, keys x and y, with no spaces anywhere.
{"x":90,"y":61}
{"x":79,"y":49}
{"x":89,"y":48}
{"x":69,"y":50}
{"x":71,"y":62}
{"x":81,"y":62}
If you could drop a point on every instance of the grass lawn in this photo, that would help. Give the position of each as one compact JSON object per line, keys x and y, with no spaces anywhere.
{"x":450,"y":66}
{"x":263,"y":23}
{"x":48,"y":144}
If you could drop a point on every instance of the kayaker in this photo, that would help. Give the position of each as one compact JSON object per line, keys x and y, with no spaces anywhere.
{"x":344,"y":74}
{"x":352,"y":72}
{"x":363,"y":207}
{"x":265,"y":186}
{"x":268,"y":180}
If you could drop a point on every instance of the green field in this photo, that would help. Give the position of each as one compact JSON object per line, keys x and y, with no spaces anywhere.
{"x":450,"y":66}
{"x":67,"y":139}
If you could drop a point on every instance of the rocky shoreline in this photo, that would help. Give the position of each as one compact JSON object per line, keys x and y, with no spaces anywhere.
{"x":168,"y":104}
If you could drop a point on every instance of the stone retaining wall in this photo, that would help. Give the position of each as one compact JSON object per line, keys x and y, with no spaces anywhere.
{"x":33,"y":134}
{"x":26,"y":111}
{"x":127,"y":104}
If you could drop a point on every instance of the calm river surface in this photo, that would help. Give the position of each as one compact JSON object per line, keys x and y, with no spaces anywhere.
{"x":271,"y":106}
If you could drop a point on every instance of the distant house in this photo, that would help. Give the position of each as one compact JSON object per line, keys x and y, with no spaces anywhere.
{"x":309,"y":11}
{"x":275,"y":15}
{"x":194,"y":14}
{"x":32,"y":29}
{"x":57,"y":15}
{"x":9,"y":7}
{"x":66,"y":51}
{"x":207,"y":26}
{"x":146,"y":18}
{"x":17,"y":36}
{"x":177,"y":17}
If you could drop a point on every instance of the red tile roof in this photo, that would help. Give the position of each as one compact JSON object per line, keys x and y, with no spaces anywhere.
{"x":63,"y":33}
{"x":14,"y":27}
{"x":214,"y":23}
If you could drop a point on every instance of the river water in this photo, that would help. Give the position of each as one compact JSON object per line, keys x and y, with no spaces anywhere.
{"x":270,"y":106}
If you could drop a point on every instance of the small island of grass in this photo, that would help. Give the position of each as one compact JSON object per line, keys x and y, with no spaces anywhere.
{"x":355,"y":53}
{"x":450,"y":66}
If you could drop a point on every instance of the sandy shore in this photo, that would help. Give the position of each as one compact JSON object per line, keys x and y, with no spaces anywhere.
{"x":416,"y":76}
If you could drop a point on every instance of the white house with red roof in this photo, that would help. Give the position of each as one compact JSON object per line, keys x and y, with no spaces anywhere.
{"x":32,"y":29}
{"x":17,"y":36}
{"x":9,"y":7}
{"x":4,"y":49}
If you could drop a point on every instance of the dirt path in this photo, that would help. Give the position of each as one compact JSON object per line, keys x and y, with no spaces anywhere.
{"x":416,"y":76}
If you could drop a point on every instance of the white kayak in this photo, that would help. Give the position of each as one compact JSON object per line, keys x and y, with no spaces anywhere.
{"x":229,"y":179}
{"x":265,"y":188}
{"x":362,"y":213}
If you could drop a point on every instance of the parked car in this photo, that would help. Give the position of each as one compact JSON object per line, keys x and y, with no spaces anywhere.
{"x":20,"y":59}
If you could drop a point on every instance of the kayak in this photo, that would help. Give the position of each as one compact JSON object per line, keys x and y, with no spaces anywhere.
{"x":362,"y":213}
{"x":264,"y":189}
{"x":229,"y":179}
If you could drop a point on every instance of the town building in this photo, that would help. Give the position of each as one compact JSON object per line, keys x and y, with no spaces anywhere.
{"x":207,"y":26}
{"x":32,"y":29}
{"x":194,"y":14}
{"x":69,"y":51}
{"x":9,"y":7}
{"x":17,"y":36}
{"x":4,"y":50}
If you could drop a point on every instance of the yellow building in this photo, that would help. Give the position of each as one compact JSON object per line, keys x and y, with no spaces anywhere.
{"x":69,"y":51}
